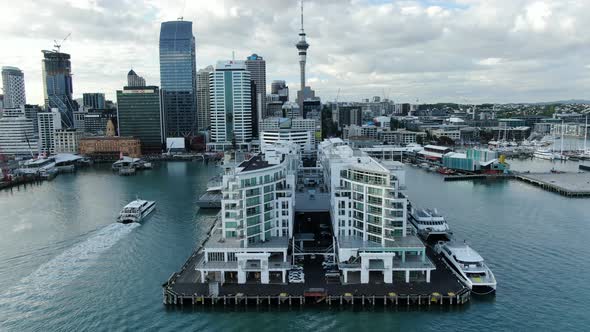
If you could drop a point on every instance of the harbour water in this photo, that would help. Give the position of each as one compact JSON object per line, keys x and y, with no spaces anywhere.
{"x":65,"y":266}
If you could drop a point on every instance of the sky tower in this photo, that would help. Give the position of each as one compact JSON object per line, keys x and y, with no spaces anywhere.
{"x":302,"y":47}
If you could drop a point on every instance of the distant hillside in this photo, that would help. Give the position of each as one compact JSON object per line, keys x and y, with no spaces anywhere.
{"x":571,"y":101}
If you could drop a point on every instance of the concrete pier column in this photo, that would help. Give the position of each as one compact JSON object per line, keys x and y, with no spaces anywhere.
{"x":241,"y":276}
{"x":407,"y":276}
{"x":283,"y":275}
{"x":427,"y":275}
{"x":264,"y":278}
{"x":403,"y":256}
{"x":388,"y":276}
{"x":222,"y":279}
{"x":345,"y":276}
{"x":202,"y":276}
{"x":364,"y":276}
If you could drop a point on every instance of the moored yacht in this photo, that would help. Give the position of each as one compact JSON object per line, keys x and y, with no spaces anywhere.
{"x":468,"y":265}
{"x":429,"y":223}
{"x":549,"y":155}
{"x":136,"y":211}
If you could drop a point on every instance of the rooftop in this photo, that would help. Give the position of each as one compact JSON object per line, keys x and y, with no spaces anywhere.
{"x":255,"y":163}
{"x":463,"y":252}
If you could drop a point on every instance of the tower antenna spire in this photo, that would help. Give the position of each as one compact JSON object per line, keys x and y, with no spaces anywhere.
{"x":302,"y":15}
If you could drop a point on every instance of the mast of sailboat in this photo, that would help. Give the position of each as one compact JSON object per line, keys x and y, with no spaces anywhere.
{"x":562,"y":133}
{"x":585,"y":133}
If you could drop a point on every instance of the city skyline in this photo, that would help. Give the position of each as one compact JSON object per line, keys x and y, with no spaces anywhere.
{"x":473,"y":52}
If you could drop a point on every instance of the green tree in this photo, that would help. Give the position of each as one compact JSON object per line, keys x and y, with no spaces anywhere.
{"x":420,"y":139}
{"x":395,"y":124}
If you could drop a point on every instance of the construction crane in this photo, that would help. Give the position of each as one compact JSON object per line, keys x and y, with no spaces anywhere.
{"x":58,"y":45}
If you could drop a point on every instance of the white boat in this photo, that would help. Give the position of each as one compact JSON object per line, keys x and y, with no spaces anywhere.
{"x":429,"y":223}
{"x":549,"y":155}
{"x":544,"y":154}
{"x":468,"y":265}
{"x":136,"y":211}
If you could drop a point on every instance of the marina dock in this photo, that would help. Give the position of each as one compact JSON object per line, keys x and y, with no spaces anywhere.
{"x":464,"y":177}
{"x":566,"y":184}
{"x":186,"y":288}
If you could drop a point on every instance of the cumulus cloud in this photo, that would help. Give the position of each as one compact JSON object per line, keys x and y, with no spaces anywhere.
{"x":435,"y":50}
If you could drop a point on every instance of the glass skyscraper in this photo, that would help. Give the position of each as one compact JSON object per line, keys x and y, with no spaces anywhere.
{"x":138,"y":115}
{"x":178,"y":78}
{"x":57,"y":85}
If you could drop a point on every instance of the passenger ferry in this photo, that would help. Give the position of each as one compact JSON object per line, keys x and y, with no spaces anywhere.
{"x":136,"y":211}
{"x":468,"y":265}
{"x":429,"y":223}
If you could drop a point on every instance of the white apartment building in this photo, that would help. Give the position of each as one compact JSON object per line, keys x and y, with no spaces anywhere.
{"x":48,"y":123}
{"x":230,"y":104}
{"x":67,"y":140}
{"x":369,"y":218}
{"x":302,"y":132}
{"x":17,"y":136}
{"x":360,"y":131}
{"x":455,"y":135}
{"x":401,"y":136}
{"x":250,"y":242}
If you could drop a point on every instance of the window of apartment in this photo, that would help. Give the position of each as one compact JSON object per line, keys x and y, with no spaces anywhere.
{"x":373,"y":238}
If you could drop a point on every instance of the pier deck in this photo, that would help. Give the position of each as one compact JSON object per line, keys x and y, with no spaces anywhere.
{"x":566,"y":184}
{"x":185,"y":287}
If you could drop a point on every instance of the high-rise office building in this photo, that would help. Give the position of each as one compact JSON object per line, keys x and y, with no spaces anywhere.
{"x":280,"y":89}
{"x":203,"y":102}
{"x":134,"y":80}
{"x":231,"y":109}
{"x":255,"y":112}
{"x":30,"y":112}
{"x":57,"y":85}
{"x":96,"y":121}
{"x":13,"y":83}
{"x":256,"y":65}
{"x":93,"y":100}
{"x":48,"y":122}
{"x":138,"y":115}
{"x":178,"y":76}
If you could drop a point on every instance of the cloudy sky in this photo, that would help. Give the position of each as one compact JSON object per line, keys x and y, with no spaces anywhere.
{"x":428,"y":50}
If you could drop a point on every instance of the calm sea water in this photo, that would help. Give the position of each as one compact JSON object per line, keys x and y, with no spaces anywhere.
{"x":65,"y":266}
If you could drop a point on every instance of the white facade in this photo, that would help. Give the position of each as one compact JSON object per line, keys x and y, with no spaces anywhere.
{"x":369,"y":218}
{"x":251,"y":240}
{"x":48,"y":123}
{"x":13,"y":83}
{"x":230,"y":97}
{"x":304,"y":139}
{"x":455,"y":135}
{"x":67,"y":140}
{"x":17,"y":136}
{"x":401,"y":136}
